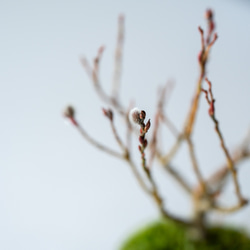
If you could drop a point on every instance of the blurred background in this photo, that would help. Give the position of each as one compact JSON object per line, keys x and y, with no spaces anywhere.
{"x":57,"y":192}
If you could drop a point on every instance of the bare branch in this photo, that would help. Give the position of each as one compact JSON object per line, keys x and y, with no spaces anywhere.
{"x":118,"y":59}
{"x":230,"y":162}
{"x":179,"y":178}
{"x":195,"y":165}
{"x":96,"y":144}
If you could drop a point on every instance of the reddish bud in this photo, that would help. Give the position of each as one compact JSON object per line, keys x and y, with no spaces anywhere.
{"x":209,"y":14}
{"x":147,"y":126}
{"x":108,"y":113}
{"x":141,"y":139}
{"x":211,"y":108}
{"x":200,"y":57}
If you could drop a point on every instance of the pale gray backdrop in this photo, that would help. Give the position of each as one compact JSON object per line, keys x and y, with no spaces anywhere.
{"x":56,"y":191}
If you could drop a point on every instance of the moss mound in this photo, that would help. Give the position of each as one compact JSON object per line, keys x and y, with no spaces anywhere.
{"x":163,"y":235}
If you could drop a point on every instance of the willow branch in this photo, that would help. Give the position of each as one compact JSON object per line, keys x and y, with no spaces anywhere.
{"x":195,"y":165}
{"x":202,"y":57}
{"x":231,"y":209}
{"x":230,"y":163}
{"x":179,"y":178}
{"x":118,"y":59}
{"x":165,"y":159}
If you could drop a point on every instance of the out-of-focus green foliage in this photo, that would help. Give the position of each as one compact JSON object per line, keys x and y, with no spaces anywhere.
{"x":163,"y":235}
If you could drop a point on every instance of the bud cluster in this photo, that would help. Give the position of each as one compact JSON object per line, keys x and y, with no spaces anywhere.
{"x":138,"y":117}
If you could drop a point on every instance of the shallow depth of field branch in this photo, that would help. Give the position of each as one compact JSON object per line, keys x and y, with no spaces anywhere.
{"x":205,"y":194}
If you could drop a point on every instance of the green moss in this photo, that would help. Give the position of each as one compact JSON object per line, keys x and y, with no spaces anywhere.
{"x":163,"y":235}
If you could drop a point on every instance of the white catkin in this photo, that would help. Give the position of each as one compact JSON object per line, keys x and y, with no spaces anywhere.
{"x":134,"y":119}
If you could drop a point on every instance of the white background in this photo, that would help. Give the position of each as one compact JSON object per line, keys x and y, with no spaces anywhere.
{"x":56,"y":191}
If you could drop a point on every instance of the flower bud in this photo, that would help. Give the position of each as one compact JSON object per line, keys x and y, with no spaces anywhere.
{"x":69,"y":112}
{"x":209,"y":14}
{"x":141,"y":139}
{"x":108,"y":113}
{"x":136,"y":116}
{"x":147,"y":126}
{"x":211,"y":108}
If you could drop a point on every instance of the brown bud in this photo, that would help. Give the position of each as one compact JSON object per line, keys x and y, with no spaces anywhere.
{"x":69,"y":112}
{"x":108,"y":113}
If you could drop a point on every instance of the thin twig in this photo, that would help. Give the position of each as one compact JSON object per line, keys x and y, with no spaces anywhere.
{"x":179,"y":178}
{"x":138,"y":176}
{"x":118,"y":59}
{"x":203,"y":57}
{"x":188,"y":127}
{"x":231,"y":209}
{"x":195,"y":165}
{"x":230,"y":162}
{"x":217,"y":179}
{"x":169,"y":156}
{"x":96,"y":144}
{"x":93,"y":74}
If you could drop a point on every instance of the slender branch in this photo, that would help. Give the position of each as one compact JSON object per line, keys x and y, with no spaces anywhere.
{"x":138,"y":176}
{"x":179,"y":178}
{"x":169,"y":156}
{"x":194,"y":107}
{"x":217,"y":179}
{"x":109,"y":114}
{"x":161,"y":105}
{"x":118,"y":59}
{"x":96,"y":144}
{"x":202,"y":57}
{"x":154,"y":140}
{"x":195,"y":165}
{"x":93,"y":74}
{"x":139,"y":118}
{"x":230,"y":162}
{"x":231,"y":209}
{"x":170,"y":125}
